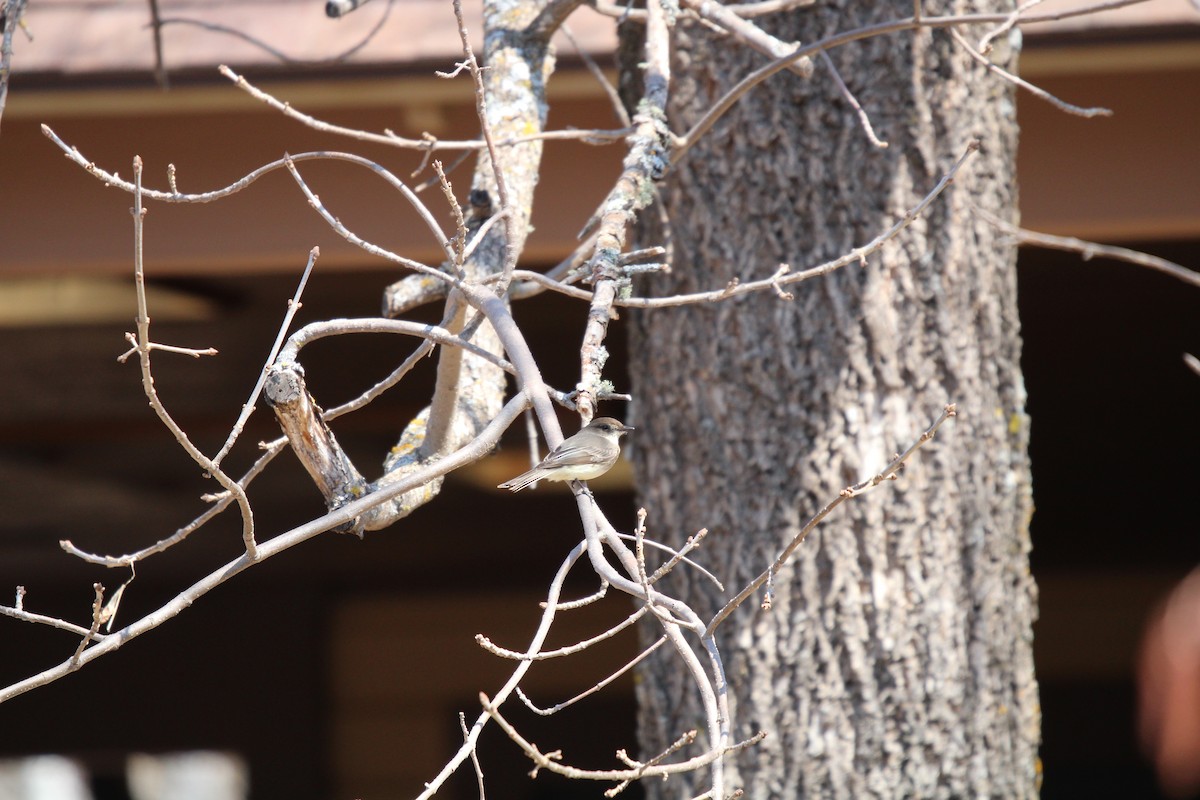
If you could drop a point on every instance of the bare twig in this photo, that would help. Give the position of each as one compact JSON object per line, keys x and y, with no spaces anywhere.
{"x":220,"y":503}
{"x":369,"y":247}
{"x":97,"y":621}
{"x":512,"y":244}
{"x":554,"y":709}
{"x":678,"y":556}
{"x":549,"y":608}
{"x":779,"y":278}
{"x":587,"y":136}
{"x":863,"y":119}
{"x":166,"y":348}
{"x":144,"y":348}
{"x":17,"y":612}
{"x":293,"y":305}
{"x":315,"y":331}
{"x":474,"y":450}
{"x":462,"y":724}
{"x":568,"y":650}
{"x":586,"y":600}
{"x":985,"y":42}
{"x":610,"y":91}
{"x":888,"y":473}
{"x":749,"y":33}
{"x":1036,"y":91}
{"x":726,"y":101}
{"x":1089,"y":250}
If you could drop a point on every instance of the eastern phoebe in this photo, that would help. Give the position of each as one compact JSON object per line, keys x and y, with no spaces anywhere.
{"x":586,"y":455}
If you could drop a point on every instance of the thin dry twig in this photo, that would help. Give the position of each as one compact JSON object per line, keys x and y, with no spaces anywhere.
{"x":462,"y":725}
{"x":674,"y":747}
{"x":1088,"y":250}
{"x":477,"y":448}
{"x":220,"y":503}
{"x":781,"y":277}
{"x":552,"y":761}
{"x":1036,"y":91}
{"x":587,"y":600}
{"x":549,"y":608}
{"x":849,"y":97}
{"x":97,"y":621}
{"x":596,"y":687}
{"x":144,"y":349}
{"x":374,"y":249}
{"x":735,"y":93}
{"x":18,"y":612}
{"x":610,"y":91}
{"x":749,"y":33}
{"x":430,"y":144}
{"x":1191,"y":362}
{"x":888,"y":473}
{"x":985,"y":42}
{"x":567,"y":650}
{"x":293,"y":305}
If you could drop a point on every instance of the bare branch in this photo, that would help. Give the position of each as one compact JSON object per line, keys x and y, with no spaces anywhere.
{"x":1089,"y":250}
{"x":749,"y":33}
{"x":985,"y":43}
{"x":221,"y":502}
{"x":567,"y":650}
{"x":549,"y":608}
{"x":143,"y":347}
{"x":639,"y":658}
{"x":719,"y":108}
{"x":315,"y":331}
{"x":610,"y":91}
{"x":97,"y":621}
{"x":587,"y":136}
{"x":863,"y":119}
{"x":474,"y":450}
{"x":1037,"y":91}
{"x":645,"y":163}
{"x":19,"y":613}
{"x":359,"y":242}
{"x":550,"y":761}
{"x":779,"y":278}
{"x":293,"y":306}
{"x":462,"y":724}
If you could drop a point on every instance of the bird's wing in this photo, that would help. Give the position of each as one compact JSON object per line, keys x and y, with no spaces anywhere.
{"x":573,"y":456}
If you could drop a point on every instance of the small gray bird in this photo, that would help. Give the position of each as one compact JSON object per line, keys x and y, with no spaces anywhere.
{"x":586,"y":455}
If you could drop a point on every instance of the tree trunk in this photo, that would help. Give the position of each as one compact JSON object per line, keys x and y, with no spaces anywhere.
{"x":897,"y":658}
